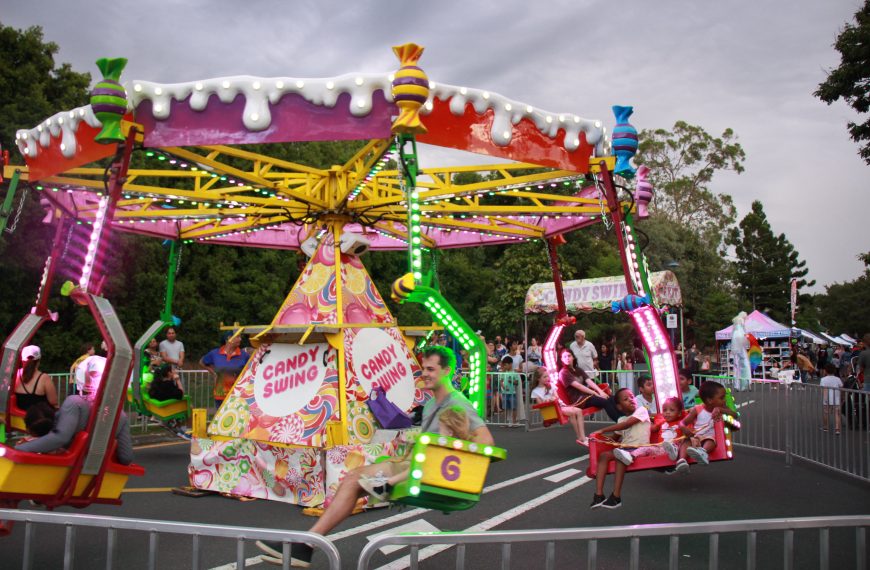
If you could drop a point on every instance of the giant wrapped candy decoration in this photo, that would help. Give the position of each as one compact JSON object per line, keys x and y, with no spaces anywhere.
{"x":624,"y":141}
{"x":109,"y":100}
{"x":410,"y":89}
{"x":643,"y":192}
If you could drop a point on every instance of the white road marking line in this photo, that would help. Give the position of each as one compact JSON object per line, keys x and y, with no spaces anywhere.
{"x":559,"y":477}
{"x":414,"y":512}
{"x":413,"y":526}
{"x":430,"y":551}
{"x":745,"y":403}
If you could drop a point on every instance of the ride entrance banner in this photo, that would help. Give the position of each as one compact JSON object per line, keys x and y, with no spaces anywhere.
{"x":289,"y":376}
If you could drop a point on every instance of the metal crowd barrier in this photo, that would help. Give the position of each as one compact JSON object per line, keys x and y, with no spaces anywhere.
{"x":439,"y":541}
{"x":195,"y":531}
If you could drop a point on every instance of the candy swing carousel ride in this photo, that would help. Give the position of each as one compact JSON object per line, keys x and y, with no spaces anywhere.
{"x":297,"y":417}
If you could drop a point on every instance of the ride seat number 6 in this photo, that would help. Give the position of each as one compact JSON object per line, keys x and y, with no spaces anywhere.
{"x":450,"y":468}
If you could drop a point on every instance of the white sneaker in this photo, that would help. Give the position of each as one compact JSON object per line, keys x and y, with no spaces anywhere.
{"x":623,"y":456}
{"x":376,"y":487}
{"x":671,"y":449}
{"x":699,"y":455}
{"x":682,"y":466}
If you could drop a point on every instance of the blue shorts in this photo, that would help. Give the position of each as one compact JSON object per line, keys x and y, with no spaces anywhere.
{"x":510,"y":401}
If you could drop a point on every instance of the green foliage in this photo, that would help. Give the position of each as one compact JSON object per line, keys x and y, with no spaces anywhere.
{"x":846,"y":306}
{"x":849,"y":81}
{"x":31,"y":87}
{"x":765,"y":265}
{"x":682,"y":163}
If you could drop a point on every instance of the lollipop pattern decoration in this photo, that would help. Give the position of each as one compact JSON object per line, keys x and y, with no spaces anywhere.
{"x":410,"y":90}
{"x":624,"y":141}
{"x":643,"y":192}
{"x":109,"y":100}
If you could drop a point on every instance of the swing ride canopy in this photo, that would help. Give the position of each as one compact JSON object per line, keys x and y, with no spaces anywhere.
{"x":198,"y":187}
{"x":597,"y":294}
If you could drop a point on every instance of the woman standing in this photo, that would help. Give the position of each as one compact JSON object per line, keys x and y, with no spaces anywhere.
{"x":33,"y":385}
{"x":534,"y":354}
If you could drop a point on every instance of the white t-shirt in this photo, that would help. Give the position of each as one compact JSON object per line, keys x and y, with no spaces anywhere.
{"x":637,"y":434}
{"x":584,"y":356}
{"x":650,"y":405}
{"x":541,"y":394}
{"x":172,"y":349}
{"x":89,"y":371}
{"x":518,"y":362}
{"x":831,"y":397}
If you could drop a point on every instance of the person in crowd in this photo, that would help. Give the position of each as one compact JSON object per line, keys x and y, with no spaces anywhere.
{"x":516,"y":356}
{"x":633,"y":430}
{"x":166,"y":384}
{"x":73,"y":417}
{"x":509,"y":382}
{"x":831,"y":397}
{"x":638,"y":358}
{"x":821,"y":358}
{"x":693,"y":358}
{"x":535,"y":353}
{"x":624,"y":376}
{"x":585,"y":355}
{"x":32,"y":385}
{"x":437,"y":370}
{"x":581,"y":391}
{"x":706,"y":364}
{"x":688,"y":392}
{"x":605,"y":358}
{"x":226,"y":362}
{"x":500,"y":348}
{"x":646,"y":394}
{"x":172,"y":349}
{"x":152,"y":352}
{"x":491,"y":357}
{"x":88,"y":349}
{"x":862,"y":363}
{"x":698,"y":426}
{"x":453,"y":422}
{"x":804,"y":364}
{"x":544,"y":392}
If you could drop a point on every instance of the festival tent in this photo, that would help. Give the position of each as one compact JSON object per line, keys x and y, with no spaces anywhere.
{"x":848,"y":339}
{"x":837,"y":340}
{"x":813,"y":337}
{"x":597,"y":294}
{"x":759,"y":325}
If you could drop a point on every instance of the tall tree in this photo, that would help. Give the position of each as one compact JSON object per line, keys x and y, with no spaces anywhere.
{"x":845,"y":307}
{"x":850,"y":80}
{"x":682,"y":164}
{"x":766,"y":264}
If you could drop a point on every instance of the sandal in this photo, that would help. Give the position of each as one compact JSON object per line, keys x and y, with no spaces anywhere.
{"x":837,"y":432}
{"x":584,"y":442}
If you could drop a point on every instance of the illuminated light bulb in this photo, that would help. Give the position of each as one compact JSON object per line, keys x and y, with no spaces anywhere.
{"x":361,"y":104}
{"x":198,"y":86}
{"x":62,"y":146}
{"x":158,"y":91}
{"x":358,"y":80}
{"x":576,"y":119}
{"x":158,"y":107}
{"x":506,"y":135}
{"x":60,"y":120}
{"x":256,"y":85}
{"x":429,"y":106}
{"x":81,"y":112}
{"x":549,"y":119}
{"x":137,"y":87}
{"x":487,"y":450}
{"x":463,"y":91}
{"x":576,"y":142}
{"x":391,"y":77}
{"x":597,"y":124}
{"x":414,"y":490}
{"x":417,"y":474}
{"x":225,"y":84}
{"x":330,"y":85}
{"x":485,"y":95}
{"x":561,"y":118}
{"x":255,"y":116}
{"x":420,"y":458}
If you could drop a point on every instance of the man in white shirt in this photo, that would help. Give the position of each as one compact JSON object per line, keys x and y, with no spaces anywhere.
{"x":585,"y":355}
{"x":172,"y":350}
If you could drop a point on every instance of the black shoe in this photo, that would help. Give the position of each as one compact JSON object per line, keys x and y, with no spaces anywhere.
{"x":597,"y":501}
{"x":300,"y":554}
{"x":612,"y":502}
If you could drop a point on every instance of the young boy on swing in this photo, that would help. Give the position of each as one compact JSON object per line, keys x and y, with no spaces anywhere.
{"x":633,"y":430}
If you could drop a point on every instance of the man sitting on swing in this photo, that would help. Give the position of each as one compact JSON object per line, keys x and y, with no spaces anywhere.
{"x":438,"y":363}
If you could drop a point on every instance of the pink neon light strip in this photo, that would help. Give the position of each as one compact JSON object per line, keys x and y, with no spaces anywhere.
{"x":663,"y":364}
{"x":550,"y":355}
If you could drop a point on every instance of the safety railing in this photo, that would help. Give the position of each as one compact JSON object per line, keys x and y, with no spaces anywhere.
{"x":756,"y":555}
{"x":154,"y":529}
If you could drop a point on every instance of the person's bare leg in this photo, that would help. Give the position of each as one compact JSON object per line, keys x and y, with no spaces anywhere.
{"x":709,"y":446}
{"x":836,"y":411}
{"x":342,"y":504}
{"x":684,"y":446}
{"x":618,"y":478}
{"x":603,"y":459}
{"x":825,"y":418}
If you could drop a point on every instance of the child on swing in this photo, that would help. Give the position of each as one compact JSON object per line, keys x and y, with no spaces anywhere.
{"x":633,"y":430}
{"x":453,"y":422}
{"x":698,"y":425}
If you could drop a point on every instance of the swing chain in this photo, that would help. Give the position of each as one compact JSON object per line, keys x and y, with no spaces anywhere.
{"x":11,"y":228}
{"x":605,"y":218}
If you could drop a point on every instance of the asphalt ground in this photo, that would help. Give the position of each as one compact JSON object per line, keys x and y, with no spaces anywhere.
{"x":754,"y":485}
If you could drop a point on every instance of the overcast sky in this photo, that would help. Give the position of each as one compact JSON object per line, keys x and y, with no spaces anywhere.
{"x":748,"y":65}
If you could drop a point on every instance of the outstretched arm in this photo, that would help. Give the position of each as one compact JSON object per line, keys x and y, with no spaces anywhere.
{"x":482,"y":436}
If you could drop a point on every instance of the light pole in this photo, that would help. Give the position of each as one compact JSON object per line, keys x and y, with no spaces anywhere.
{"x":670,"y":266}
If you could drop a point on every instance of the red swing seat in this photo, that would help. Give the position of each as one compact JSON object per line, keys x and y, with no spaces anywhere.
{"x":723,"y":452}
{"x":551,"y":411}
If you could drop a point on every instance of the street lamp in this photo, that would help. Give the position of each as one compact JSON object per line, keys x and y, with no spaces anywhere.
{"x":670,"y":265}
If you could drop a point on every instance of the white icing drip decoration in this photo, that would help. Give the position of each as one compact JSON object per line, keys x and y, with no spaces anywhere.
{"x":508,"y":113}
{"x":63,"y":125}
{"x":261,"y":92}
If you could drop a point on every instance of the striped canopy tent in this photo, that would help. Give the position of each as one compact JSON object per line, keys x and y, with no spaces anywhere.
{"x":759,"y":325}
{"x":597,"y":294}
